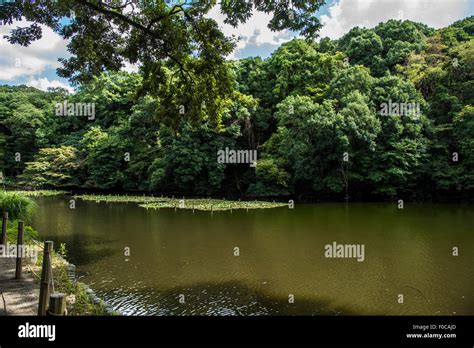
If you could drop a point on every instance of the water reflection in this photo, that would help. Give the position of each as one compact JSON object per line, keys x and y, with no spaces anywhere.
{"x":223,"y":299}
{"x":407,"y":252}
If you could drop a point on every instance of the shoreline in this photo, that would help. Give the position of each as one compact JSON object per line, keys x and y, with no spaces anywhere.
{"x":145,"y":197}
{"x":80,"y":298}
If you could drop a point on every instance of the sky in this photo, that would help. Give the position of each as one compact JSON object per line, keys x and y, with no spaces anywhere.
{"x":36,"y":64}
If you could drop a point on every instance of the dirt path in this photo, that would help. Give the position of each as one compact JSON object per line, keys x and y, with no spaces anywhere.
{"x":17,"y":297}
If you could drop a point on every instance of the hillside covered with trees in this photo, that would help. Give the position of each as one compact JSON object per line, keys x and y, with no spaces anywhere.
{"x":312,"y":111}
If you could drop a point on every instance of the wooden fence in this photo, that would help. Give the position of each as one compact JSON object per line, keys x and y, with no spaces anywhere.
{"x":50,"y":303}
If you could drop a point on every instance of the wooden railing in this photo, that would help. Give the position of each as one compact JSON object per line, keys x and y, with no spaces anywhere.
{"x":50,"y":303}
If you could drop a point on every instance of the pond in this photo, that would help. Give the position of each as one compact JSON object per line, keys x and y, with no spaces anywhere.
{"x":269,"y":261}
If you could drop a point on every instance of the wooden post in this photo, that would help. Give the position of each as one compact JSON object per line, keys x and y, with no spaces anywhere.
{"x":45,"y":278}
{"x":57,"y":304}
{"x":19,"y":248}
{"x":3,"y":240}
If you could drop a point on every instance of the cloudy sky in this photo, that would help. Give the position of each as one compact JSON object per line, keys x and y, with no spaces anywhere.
{"x":36,"y":65}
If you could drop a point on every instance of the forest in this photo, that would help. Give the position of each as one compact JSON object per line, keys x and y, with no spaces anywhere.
{"x":313,"y":111}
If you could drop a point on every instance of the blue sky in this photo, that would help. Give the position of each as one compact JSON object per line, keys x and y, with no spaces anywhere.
{"x":36,"y":65}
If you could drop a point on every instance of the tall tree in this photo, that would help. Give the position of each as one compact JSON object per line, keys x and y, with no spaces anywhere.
{"x":180,"y":51}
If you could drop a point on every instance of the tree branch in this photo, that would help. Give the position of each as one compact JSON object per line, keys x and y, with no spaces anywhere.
{"x":138,"y":26}
{"x":117,"y":15}
{"x":175,"y":9}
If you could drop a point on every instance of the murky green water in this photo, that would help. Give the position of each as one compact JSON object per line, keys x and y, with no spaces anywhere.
{"x":408,"y":252}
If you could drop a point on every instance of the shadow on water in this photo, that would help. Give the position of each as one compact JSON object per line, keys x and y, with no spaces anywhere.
{"x":282,"y":251}
{"x":231,"y":298}
{"x":84,"y":251}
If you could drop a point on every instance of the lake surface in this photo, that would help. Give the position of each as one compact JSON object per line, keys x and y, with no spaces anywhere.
{"x":184,"y":256}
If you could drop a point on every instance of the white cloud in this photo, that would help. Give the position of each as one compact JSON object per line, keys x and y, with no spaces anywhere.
{"x":18,"y":62}
{"x":346,"y":14}
{"x":342,"y":16}
{"x":130,"y":68}
{"x":255,"y":38}
{"x":254,"y":32}
{"x":43,"y":84}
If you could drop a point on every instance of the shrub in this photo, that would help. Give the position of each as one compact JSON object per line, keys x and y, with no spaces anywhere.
{"x":19,"y":207}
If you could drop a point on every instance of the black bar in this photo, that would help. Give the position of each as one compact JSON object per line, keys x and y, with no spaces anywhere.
{"x":135,"y":331}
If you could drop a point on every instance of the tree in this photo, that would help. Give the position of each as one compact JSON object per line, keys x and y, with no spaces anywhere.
{"x":297,"y":68}
{"x":171,"y":41}
{"x":365,"y":47}
{"x":104,"y":159}
{"x":463,"y":131}
{"x":314,"y":117}
{"x":53,"y":167}
{"x":189,"y":162}
{"x":24,"y":115}
{"x":271,"y":180}
{"x":402,"y":143}
{"x":443,"y":74}
{"x":385,"y":46}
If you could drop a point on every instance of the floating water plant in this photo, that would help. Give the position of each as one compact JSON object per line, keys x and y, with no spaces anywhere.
{"x":152,"y":202}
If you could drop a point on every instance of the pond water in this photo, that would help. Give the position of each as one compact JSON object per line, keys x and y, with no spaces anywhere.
{"x":190,"y":257}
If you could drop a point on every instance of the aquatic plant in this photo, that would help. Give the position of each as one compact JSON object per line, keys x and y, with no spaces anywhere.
{"x":120,"y":198}
{"x":18,"y":206}
{"x":41,"y":193}
{"x":212,"y":204}
{"x":152,"y":202}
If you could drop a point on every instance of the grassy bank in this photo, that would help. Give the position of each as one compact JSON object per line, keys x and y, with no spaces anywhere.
{"x":79,"y":302}
{"x":40,"y":193}
{"x":151,"y":202}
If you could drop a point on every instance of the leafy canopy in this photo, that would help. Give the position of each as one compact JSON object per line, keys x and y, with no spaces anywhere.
{"x":179,"y":50}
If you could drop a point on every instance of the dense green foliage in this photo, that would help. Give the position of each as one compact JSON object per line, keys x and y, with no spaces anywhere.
{"x":180,"y":50}
{"x":312,"y":110}
{"x":18,"y":206}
